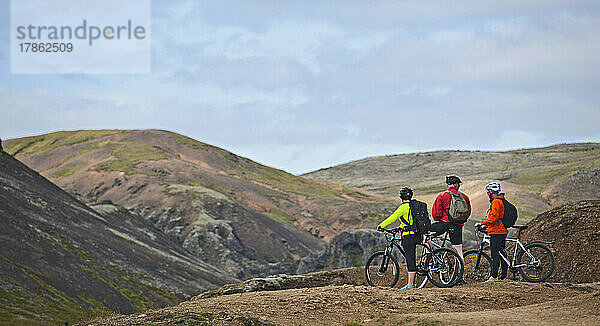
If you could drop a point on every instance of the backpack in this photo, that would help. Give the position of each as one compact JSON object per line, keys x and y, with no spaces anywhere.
{"x":459,"y":209}
{"x":510,"y":214}
{"x":420,"y":215}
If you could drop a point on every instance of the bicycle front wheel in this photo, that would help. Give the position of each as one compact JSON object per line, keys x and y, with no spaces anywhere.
{"x":382,"y":270}
{"x":477,"y":272}
{"x":445,"y":268}
{"x":538,"y":260}
{"x":421,"y":275}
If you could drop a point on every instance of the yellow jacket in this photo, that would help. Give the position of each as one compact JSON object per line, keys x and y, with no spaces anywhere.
{"x":404,"y":211}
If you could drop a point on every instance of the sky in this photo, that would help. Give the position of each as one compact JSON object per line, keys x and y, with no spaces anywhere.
{"x":303,"y":85}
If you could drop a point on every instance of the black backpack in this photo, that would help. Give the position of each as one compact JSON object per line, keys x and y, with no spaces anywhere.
{"x":510,"y":214}
{"x":420,"y":215}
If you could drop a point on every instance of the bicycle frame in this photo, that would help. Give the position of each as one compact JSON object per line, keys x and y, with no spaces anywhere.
{"x":504,"y":254}
{"x":393,"y":242}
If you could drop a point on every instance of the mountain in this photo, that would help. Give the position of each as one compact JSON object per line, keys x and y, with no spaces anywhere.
{"x":61,"y":260}
{"x":241,"y":216}
{"x":534,"y":179}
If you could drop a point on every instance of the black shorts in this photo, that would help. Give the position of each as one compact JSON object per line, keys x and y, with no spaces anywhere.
{"x":454,"y":230}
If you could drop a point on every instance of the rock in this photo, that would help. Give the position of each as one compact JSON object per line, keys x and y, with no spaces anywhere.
{"x":344,"y":250}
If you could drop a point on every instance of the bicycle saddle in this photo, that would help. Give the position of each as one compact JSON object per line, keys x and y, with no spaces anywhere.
{"x":520,"y":227}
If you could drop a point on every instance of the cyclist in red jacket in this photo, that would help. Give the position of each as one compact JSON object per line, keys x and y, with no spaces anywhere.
{"x":439,"y":212}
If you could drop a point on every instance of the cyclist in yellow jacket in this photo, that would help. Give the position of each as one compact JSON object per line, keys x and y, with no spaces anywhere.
{"x":409,"y":238}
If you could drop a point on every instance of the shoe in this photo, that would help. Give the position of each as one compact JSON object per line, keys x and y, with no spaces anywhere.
{"x":406,"y":287}
{"x":492,"y":280}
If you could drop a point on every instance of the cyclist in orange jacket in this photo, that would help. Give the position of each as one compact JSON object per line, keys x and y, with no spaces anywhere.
{"x":496,"y":230}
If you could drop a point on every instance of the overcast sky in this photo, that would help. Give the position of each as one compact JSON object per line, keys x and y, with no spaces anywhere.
{"x":301,"y":85}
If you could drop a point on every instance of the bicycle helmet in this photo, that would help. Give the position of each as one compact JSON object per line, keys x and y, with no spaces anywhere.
{"x":405,"y":193}
{"x":452,"y":179}
{"x":493,"y":186}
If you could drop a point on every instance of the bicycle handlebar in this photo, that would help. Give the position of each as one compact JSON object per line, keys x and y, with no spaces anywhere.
{"x":391,"y":231}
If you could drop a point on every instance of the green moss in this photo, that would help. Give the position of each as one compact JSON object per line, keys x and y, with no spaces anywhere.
{"x":325,"y":215}
{"x":97,"y":145}
{"x":354,"y":193}
{"x":278,"y":179}
{"x":48,"y":142}
{"x":67,"y":171}
{"x":135,"y":280}
{"x":543,"y":177}
{"x":128,"y":154}
{"x":189,"y":142}
{"x":55,"y":238}
{"x":280,"y":215}
{"x":137,"y":301}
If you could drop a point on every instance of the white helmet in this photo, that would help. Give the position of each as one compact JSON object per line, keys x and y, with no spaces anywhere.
{"x":493,"y":186}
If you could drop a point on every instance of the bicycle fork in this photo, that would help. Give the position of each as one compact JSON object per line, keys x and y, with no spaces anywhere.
{"x":384,"y":262}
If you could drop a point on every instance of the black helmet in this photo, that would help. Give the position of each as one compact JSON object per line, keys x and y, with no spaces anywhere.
{"x":405,"y":193}
{"x":452,"y":179}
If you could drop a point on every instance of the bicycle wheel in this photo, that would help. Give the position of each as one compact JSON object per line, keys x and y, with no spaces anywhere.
{"x":382,"y":270}
{"x":539,"y":261}
{"x":444,"y":268}
{"x":477,"y":273}
{"x":421,"y":275}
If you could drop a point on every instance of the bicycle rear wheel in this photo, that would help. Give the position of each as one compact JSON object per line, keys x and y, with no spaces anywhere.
{"x":382,"y":270}
{"x":539,"y":261}
{"x":476,"y":273}
{"x":445,"y":268}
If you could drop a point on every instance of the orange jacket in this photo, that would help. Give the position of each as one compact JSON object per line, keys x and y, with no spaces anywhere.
{"x":496,"y":211}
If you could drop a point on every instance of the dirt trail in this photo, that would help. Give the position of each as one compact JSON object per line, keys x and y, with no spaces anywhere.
{"x":505,"y":303}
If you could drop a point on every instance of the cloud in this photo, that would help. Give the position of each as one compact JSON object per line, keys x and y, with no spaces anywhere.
{"x":302,"y":84}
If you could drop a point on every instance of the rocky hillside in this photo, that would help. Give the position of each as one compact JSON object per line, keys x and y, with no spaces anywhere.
{"x":61,"y":260}
{"x":535,"y":179}
{"x":211,"y":201}
{"x":344,"y":250}
{"x":574,"y":230}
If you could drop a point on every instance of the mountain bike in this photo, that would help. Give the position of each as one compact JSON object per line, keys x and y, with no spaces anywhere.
{"x":441,"y":266}
{"x":534,"y":260}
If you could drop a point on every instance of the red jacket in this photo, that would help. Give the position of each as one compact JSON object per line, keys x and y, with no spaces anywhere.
{"x":496,"y":211}
{"x":442,"y":205}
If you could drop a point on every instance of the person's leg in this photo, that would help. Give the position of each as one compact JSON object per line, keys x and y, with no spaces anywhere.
{"x":502,"y":262}
{"x":456,"y":240}
{"x":438,"y":228}
{"x":495,"y":248}
{"x":411,"y":278}
{"x":409,"y":243}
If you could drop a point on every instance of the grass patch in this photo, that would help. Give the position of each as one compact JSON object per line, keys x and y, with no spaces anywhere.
{"x":60,"y":241}
{"x":128,"y":154}
{"x":279,"y":179}
{"x":280,"y":215}
{"x":137,"y":301}
{"x":545,"y":177}
{"x":48,"y":142}
{"x":190,"y":142}
{"x":97,"y":145}
{"x":67,"y":171}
